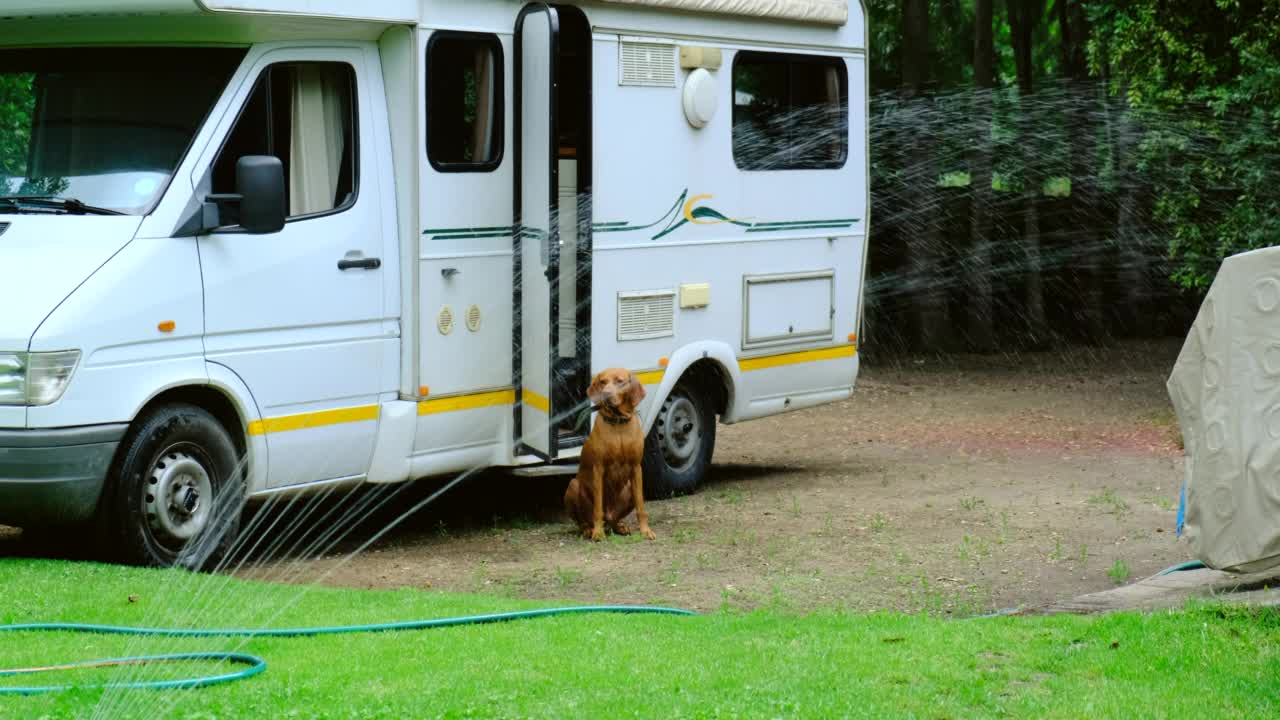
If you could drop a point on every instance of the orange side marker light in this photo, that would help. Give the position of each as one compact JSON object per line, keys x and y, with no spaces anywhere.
{"x":167,"y":326}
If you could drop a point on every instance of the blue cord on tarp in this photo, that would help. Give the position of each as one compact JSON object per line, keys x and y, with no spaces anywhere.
{"x":256,"y":665}
{"x":1182,"y":510}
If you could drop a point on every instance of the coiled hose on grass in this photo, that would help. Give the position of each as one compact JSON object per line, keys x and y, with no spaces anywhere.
{"x":256,"y":665}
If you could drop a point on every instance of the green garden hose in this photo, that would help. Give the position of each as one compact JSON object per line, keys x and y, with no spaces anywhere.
{"x":256,"y":665}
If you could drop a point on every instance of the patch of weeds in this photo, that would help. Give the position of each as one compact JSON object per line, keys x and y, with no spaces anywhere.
{"x":731,"y":496}
{"x":704,"y":561}
{"x":523,"y":522}
{"x":1057,"y":553}
{"x":670,"y":575}
{"x":1163,"y":503}
{"x":971,"y":503}
{"x":567,"y":576}
{"x":774,"y":548}
{"x":1084,"y":555}
{"x":728,"y":536}
{"x":1119,"y":571}
{"x":879,"y":522}
{"x":828,"y":525}
{"x":795,"y":506}
{"x":442,"y":529}
{"x":684,"y":536}
{"x":1004,"y":528}
{"x":902,"y":557}
{"x":1111,"y":503}
{"x":973,"y":548}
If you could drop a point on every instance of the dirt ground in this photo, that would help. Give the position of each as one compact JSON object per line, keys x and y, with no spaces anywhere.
{"x":958,"y":485}
{"x":953,"y":485}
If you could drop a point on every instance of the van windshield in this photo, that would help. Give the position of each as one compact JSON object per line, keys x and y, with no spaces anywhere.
{"x":106,"y":127}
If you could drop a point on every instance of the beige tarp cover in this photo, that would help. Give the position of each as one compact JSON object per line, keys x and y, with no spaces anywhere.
{"x":827,"y":12}
{"x":1225,"y":388}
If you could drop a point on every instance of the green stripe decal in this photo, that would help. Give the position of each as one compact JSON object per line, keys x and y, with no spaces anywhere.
{"x":808,"y":226}
{"x":473,"y":233}
{"x":687,"y":211}
{"x":846,"y":221}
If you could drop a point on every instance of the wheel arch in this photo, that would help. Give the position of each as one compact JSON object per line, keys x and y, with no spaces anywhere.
{"x":223,"y":395}
{"x":712,"y":365}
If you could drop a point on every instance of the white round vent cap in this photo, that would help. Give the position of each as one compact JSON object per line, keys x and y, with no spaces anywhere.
{"x":701,"y":98}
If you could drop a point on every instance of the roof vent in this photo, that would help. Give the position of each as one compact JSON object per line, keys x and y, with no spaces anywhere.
{"x":646,"y":64}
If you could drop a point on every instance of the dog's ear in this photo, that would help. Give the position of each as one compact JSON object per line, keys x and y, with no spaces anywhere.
{"x":635,"y":391}
{"x":595,"y":393}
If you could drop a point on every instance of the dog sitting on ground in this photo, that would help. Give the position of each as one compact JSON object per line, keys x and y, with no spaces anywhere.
{"x":609,"y":483}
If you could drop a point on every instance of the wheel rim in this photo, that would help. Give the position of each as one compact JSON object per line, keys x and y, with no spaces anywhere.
{"x":178,"y":497}
{"x":679,"y":431}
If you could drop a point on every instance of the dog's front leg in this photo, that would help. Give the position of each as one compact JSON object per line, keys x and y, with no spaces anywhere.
{"x":637,"y":489}
{"x":597,"y":502}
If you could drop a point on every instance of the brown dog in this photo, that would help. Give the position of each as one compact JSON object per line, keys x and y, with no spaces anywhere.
{"x":609,"y":484}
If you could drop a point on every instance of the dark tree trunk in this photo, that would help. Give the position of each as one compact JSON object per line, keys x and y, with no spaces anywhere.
{"x":1133,"y":257}
{"x":1024,"y":15}
{"x":924,"y":231}
{"x":1091,"y":256}
{"x":981,"y":338}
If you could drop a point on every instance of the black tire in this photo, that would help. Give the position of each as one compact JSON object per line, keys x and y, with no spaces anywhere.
{"x":176,"y":490}
{"x":678,"y":450}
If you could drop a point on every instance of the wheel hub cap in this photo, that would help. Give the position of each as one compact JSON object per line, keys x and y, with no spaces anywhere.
{"x":175,"y":498}
{"x":678,"y":429}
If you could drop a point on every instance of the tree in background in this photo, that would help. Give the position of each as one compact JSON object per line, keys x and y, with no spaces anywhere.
{"x":1203,"y":80}
{"x":980,"y":173}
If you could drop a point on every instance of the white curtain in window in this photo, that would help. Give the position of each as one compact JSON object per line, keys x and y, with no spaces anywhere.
{"x":481,"y":141}
{"x":319,"y":112}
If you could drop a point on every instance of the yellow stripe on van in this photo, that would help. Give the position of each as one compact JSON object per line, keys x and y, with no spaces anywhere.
{"x":535,"y":400}
{"x":467,"y":402}
{"x":652,"y":377}
{"x":772,"y":361}
{"x":302,"y":421}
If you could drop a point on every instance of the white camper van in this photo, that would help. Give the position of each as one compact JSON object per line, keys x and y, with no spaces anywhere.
{"x":341,"y":242}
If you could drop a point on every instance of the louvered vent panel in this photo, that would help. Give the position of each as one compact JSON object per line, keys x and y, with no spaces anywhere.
{"x":647,"y":64}
{"x":651,"y":315}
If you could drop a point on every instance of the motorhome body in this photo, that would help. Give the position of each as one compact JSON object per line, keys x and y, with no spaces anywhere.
{"x":378,"y":241}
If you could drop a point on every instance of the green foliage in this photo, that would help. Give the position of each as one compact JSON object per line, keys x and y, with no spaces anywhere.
{"x":17,"y":104}
{"x":1203,"y":79}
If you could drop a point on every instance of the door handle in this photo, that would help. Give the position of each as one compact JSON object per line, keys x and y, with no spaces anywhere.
{"x":359,"y":263}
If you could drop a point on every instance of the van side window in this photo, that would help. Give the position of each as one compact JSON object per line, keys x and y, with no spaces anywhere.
{"x":790,"y":112}
{"x":304,"y":114}
{"x":464,"y":102}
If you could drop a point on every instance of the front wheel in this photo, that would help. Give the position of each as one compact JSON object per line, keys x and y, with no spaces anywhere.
{"x":177,"y":490}
{"x":678,"y":451}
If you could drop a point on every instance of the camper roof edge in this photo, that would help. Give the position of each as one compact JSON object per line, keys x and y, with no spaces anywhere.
{"x":823,"y":12}
{"x":386,"y":11}
{"x":382,"y":11}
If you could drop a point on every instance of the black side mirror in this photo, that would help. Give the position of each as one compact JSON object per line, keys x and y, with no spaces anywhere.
{"x":259,"y":195}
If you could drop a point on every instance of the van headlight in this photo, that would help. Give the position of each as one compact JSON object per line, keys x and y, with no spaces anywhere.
{"x":35,"y":378}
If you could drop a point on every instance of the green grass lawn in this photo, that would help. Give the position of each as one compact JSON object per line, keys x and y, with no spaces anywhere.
{"x":1202,"y":662}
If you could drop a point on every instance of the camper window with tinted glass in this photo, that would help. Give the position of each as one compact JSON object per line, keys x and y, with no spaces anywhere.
{"x":790,"y":112}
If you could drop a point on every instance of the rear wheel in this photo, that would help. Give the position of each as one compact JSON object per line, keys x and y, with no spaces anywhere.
{"x":177,"y":490}
{"x":678,"y":451}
